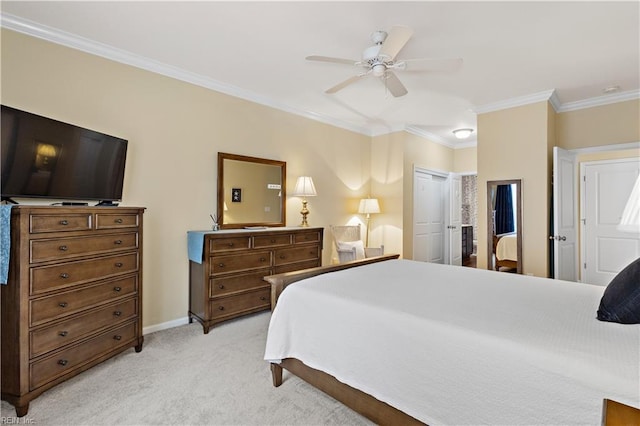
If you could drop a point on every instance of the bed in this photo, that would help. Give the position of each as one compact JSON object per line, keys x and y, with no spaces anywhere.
{"x":411,"y":342}
{"x":505,"y":250}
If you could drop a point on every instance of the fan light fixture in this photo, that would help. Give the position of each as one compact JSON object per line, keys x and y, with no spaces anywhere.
{"x":462,"y":133}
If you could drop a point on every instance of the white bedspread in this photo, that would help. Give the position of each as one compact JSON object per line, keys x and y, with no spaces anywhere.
{"x":458,"y":346}
{"x":507,"y":247}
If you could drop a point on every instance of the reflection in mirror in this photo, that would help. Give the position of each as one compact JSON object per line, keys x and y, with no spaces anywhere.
{"x":251,"y":191}
{"x":504,"y":225}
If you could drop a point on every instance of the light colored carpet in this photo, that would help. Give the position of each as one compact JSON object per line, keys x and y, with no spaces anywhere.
{"x":184,"y":377}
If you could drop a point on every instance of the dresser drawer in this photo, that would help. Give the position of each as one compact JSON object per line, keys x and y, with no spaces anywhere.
{"x":117,"y":220}
{"x":290,"y":267}
{"x":239,"y":262}
{"x":48,"y":278}
{"x":271,"y":240}
{"x":69,"y":302}
{"x":76,"y":328}
{"x":45,"y":370}
{"x":306,"y":237}
{"x":226,"y":244}
{"x":236,"y":283}
{"x":232,"y":305}
{"x":59,"y":222}
{"x":65,"y":248}
{"x":296,"y":254}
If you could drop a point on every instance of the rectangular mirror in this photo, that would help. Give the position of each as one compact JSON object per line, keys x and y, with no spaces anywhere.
{"x":251,"y":191}
{"x":504,"y":225}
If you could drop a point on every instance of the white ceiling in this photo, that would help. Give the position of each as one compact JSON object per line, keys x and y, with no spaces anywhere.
{"x":513,"y":53}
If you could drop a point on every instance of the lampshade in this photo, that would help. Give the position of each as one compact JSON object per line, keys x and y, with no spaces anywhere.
{"x":462,"y":133}
{"x":630,"y":221}
{"x":369,"y":205}
{"x":304,"y":187}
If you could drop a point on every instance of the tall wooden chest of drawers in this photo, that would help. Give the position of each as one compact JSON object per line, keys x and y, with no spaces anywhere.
{"x":73,"y":297}
{"x":228,"y":283}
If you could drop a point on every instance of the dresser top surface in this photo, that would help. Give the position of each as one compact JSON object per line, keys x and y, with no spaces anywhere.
{"x":256,"y":230}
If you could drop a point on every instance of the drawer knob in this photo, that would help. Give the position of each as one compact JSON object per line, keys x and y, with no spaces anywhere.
{"x":63,"y":248}
{"x":64,"y":222}
{"x":263,"y":298}
{"x":118,"y":220}
{"x":63,"y":333}
{"x":63,"y":304}
{"x":117,"y":242}
{"x":262,"y":259}
{"x":117,"y":313}
{"x":117,"y":288}
{"x":230,"y":244}
{"x":64,"y":275}
{"x":221,"y":308}
{"x":63,"y":362}
{"x":221,"y":265}
{"x":119,"y":264}
{"x":117,"y":337}
{"x":273,"y":241}
{"x":220,"y":286}
{"x":282,"y":256}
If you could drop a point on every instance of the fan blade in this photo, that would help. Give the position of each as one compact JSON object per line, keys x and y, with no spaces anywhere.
{"x":394,"y":84}
{"x":397,"y":38}
{"x":429,"y":64}
{"x":330,"y":59}
{"x":345,"y":83}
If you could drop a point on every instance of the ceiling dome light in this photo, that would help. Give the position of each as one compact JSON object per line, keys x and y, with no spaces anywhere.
{"x":462,"y":133}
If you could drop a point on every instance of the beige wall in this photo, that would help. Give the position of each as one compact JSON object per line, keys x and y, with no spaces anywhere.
{"x":512,"y":144}
{"x":175,"y":130}
{"x":465,"y":160}
{"x":394,"y":157}
{"x":603,"y":125}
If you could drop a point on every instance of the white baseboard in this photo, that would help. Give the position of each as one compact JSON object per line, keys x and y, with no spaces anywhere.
{"x":165,"y":325}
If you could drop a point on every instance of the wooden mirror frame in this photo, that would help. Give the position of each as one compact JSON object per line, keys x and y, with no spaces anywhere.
{"x":490,"y":243}
{"x":222,"y":156}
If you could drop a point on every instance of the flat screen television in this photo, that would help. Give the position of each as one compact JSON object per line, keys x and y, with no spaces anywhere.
{"x":49,"y":159}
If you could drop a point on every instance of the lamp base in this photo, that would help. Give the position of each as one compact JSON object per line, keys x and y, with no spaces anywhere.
{"x":304,"y":212}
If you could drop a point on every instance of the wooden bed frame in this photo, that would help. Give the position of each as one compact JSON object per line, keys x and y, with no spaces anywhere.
{"x":613,"y":413}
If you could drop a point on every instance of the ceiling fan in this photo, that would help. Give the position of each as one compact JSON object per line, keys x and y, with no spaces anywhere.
{"x":380,"y":61}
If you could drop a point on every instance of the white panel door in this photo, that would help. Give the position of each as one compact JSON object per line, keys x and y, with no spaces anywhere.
{"x":606,"y":186}
{"x":429,"y":218}
{"x":421,"y":183}
{"x":565,"y":215}
{"x":455,"y":219}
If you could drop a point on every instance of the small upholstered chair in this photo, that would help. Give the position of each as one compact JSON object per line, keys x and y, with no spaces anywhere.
{"x":349,"y":245}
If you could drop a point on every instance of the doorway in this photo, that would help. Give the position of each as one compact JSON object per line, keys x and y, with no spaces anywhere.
{"x":437,"y":217}
{"x":428,"y":217}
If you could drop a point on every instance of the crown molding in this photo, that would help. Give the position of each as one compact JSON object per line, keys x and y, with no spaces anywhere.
{"x":73,"y":41}
{"x":600,"y":100}
{"x":547,"y":95}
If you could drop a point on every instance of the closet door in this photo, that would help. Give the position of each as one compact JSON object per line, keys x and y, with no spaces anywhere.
{"x":605,"y":189}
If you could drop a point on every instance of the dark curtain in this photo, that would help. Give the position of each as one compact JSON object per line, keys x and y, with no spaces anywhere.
{"x":504,"y":210}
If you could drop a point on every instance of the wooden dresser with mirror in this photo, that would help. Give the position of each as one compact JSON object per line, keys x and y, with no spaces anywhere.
{"x":227,"y":267}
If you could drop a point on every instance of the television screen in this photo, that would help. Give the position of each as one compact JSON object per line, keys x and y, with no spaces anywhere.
{"x":45,"y":158}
